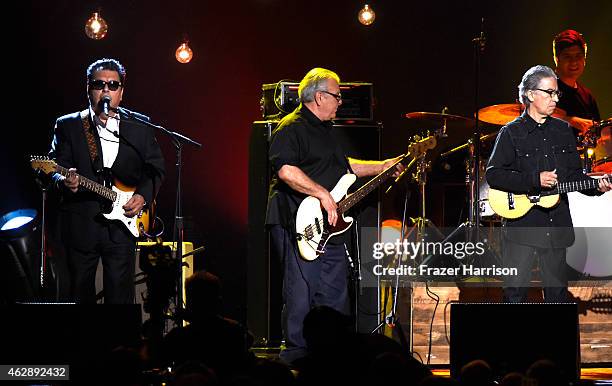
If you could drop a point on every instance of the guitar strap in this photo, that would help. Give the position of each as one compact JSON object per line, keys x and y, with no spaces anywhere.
{"x":91,"y":140}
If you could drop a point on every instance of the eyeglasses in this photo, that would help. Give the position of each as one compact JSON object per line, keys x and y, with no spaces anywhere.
{"x":338,"y":96}
{"x":551,"y":93}
{"x":99,"y":84}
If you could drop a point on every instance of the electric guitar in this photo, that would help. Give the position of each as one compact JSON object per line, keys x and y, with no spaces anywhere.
{"x":511,"y":205}
{"x":313,"y":229}
{"x":118,"y":195}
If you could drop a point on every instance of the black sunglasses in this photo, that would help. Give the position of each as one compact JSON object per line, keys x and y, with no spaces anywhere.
{"x":99,"y":84}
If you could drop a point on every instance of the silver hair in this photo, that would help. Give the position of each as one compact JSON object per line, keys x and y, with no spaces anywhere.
{"x":315,"y":80}
{"x":531,"y":80}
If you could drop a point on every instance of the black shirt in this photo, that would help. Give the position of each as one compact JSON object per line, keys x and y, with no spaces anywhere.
{"x":304,"y":141}
{"x":578,"y":102}
{"x":523,"y":149}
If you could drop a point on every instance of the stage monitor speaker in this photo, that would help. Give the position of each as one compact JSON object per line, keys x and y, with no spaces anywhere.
{"x":511,"y":337}
{"x":78,"y":335}
{"x":264,"y":298}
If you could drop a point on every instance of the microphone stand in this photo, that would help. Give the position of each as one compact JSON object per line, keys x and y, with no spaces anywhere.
{"x":179,"y":140}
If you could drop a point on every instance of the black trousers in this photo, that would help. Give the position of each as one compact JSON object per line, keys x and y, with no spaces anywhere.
{"x":117,"y":249}
{"x":307,"y":284}
{"x":553,"y":270}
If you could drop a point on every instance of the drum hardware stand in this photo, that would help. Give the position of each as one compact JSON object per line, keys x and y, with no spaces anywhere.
{"x":391,"y":319}
{"x":473,"y":173}
{"x":419,"y":225}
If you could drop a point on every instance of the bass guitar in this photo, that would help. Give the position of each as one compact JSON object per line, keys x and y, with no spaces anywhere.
{"x":313,"y":229}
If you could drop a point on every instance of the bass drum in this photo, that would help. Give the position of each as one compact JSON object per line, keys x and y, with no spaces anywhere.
{"x":592,"y":218}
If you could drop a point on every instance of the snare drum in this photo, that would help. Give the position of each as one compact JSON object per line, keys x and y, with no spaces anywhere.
{"x":592,"y":219}
{"x":603,"y":150}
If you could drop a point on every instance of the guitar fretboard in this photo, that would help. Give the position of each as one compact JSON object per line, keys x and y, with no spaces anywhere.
{"x":90,"y":185}
{"x":575,"y":186}
{"x":354,"y":198}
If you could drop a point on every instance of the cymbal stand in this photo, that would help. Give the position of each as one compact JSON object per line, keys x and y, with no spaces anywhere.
{"x":420,"y":176}
{"x":473,"y":217}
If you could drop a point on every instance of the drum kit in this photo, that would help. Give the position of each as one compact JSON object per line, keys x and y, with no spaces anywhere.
{"x":594,"y":144}
{"x":594,"y":140}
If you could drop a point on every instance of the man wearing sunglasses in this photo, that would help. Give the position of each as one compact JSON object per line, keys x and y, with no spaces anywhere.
{"x":98,"y":144}
{"x":308,"y":161}
{"x":531,"y":155}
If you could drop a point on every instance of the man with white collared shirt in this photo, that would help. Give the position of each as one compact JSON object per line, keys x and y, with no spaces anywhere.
{"x":97,"y":144}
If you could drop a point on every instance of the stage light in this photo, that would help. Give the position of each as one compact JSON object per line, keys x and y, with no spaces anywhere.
{"x":14,"y":222}
{"x":19,"y":255}
{"x":96,"y":27}
{"x":366,"y":15}
{"x":184,"y":54}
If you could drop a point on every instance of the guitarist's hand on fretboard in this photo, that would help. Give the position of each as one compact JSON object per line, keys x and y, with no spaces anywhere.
{"x":604,"y":184}
{"x":72,"y":180}
{"x":389,"y":162}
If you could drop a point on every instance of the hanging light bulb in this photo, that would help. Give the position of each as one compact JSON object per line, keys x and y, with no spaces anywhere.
{"x":366,"y":15}
{"x":184,"y":54}
{"x":96,"y":27}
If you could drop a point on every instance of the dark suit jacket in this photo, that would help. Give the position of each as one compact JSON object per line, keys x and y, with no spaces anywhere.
{"x":139,"y":163}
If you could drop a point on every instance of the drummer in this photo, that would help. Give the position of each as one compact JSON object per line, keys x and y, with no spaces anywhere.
{"x":569,"y":53}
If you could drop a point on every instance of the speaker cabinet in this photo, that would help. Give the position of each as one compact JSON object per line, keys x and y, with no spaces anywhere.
{"x":78,"y":335}
{"x":264,"y":277}
{"x":511,"y":337}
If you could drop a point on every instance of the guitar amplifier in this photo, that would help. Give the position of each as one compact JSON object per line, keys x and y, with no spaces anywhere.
{"x":281,"y":98}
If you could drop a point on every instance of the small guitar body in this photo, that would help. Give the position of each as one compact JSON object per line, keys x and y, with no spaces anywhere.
{"x":512,"y":206}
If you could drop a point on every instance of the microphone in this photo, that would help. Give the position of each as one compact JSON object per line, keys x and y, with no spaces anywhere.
{"x":106,"y":100}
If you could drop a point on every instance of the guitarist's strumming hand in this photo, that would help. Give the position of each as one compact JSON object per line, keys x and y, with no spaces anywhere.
{"x":330,"y":206}
{"x":134,"y":205}
{"x":548,"y":179}
{"x":72,"y":181}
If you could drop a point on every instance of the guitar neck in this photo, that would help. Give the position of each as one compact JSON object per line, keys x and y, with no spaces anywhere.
{"x":575,"y":186}
{"x":355,"y":197}
{"x":90,"y":185}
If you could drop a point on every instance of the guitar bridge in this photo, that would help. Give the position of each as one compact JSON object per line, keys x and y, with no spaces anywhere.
{"x":533,"y":199}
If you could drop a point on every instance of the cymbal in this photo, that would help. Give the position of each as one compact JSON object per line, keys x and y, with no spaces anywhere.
{"x":504,"y":113}
{"x":438,"y":120}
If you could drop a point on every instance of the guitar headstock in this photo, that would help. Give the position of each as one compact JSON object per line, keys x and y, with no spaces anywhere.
{"x":421,"y":146}
{"x":43,"y":163}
